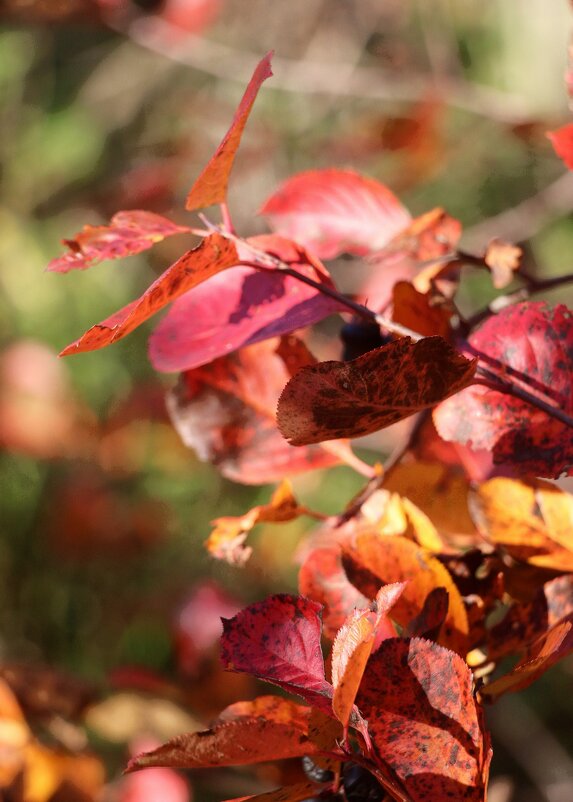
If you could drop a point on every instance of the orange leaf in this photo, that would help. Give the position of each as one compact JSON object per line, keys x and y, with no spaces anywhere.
{"x":349,"y":399}
{"x":548,"y":650}
{"x":128,"y":233}
{"x":353,"y":646}
{"x":215,"y":253}
{"x":414,"y":310}
{"x":226,"y":541}
{"x":503,"y":259}
{"x":211,"y":186}
{"x":396,"y":559}
{"x":268,"y":728}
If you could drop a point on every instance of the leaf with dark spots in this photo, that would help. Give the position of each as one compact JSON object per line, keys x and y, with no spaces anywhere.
{"x":278,"y":640}
{"x":215,"y":253}
{"x":242,"y":307}
{"x":335,"y":211}
{"x":322,"y":579}
{"x":531,"y":345}
{"x":350,"y":399}
{"x":128,"y":233}
{"x":225,"y":411}
{"x":361,"y":634}
{"x":553,"y":646}
{"x":424,"y":721}
{"x":396,"y":559}
{"x":268,"y":728}
{"x":211,"y":186}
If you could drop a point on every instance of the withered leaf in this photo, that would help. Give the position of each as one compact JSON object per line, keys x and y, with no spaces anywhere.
{"x":349,"y":399}
{"x":503,"y":259}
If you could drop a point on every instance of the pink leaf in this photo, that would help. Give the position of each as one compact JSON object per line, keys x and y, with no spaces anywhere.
{"x":241,"y":308}
{"x":128,"y":233}
{"x":336,"y":211}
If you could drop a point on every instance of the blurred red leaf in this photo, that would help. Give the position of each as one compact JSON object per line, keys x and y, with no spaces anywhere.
{"x":215,"y":253}
{"x":268,"y":728}
{"x":562,"y":141}
{"x":192,"y":16}
{"x":336,"y":211}
{"x":198,"y":626}
{"x":128,"y":233}
{"x":226,"y":412}
{"x":278,"y":640}
{"x":424,"y":721}
{"x":322,"y":579}
{"x":361,"y":634}
{"x":533,"y":346}
{"x":391,"y":558}
{"x":350,"y":399}
{"x":211,"y":186}
{"x":553,"y":646}
{"x":155,"y":784}
{"x":240,"y":308}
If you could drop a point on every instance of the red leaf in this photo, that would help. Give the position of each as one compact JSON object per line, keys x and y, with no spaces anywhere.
{"x":290,"y":793}
{"x":211,"y":186}
{"x":127,"y":234}
{"x":278,"y":640}
{"x":423,"y":720}
{"x":336,"y":211}
{"x":529,"y":341}
{"x":240,"y":308}
{"x":215,"y":253}
{"x":322,"y":579}
{"x":226,"y":412}
{"x":350,"y":399}
{"x":268,"y":728}
{"x":562,"y":141}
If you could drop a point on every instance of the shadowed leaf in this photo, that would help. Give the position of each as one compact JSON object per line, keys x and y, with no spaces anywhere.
{"x":268,"y":728}
{"x":414,"y":310}
{"x":424,"y":721}
{"x":290,"y":793}
{"x":215,"y":253}
{"x":335,"y":211}
{"x":128,"y":233}
{"x":225,"y":411}
{"x":350,"y":399}
{"x":211,"y":186}
{"x":240,"y":308}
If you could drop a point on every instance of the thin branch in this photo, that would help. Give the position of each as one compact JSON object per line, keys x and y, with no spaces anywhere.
{"x":326,"y":78}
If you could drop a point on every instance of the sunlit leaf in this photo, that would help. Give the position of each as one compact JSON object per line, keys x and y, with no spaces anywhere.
{"x":336,"y":211}
{"x":503,"y":259}
{"x":128,"y":233}
{"x":211,"y":186}
{"x":562,"y":141}
{"x":215,"y":253}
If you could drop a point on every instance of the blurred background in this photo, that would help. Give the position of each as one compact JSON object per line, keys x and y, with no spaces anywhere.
{"x":109,"y":105}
